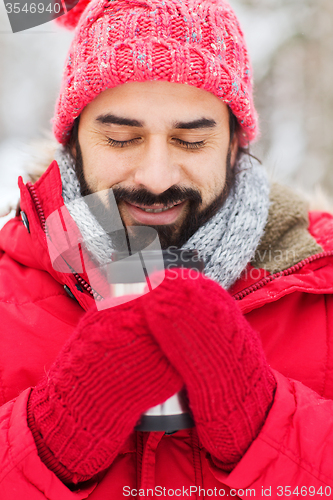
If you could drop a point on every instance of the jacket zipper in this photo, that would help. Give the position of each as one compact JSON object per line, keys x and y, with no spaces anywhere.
{"x":264,"y":281}
{"x":238,"y":296}
{"x":41,"y":216}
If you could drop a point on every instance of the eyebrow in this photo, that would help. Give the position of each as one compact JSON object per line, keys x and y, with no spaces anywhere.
{"x":195,"y":124}
{"x":129,"y":122}
{"x":118,"y":120}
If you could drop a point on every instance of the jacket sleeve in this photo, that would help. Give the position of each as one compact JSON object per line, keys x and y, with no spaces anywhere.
{"x":294,"y":448}
{"x":22,"y":474}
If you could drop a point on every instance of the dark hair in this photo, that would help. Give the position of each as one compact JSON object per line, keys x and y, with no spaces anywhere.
{"x":74,"y":137}
{"x":235,"y":128}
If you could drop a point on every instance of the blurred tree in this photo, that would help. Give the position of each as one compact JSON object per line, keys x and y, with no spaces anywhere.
{"x":293,"y":86}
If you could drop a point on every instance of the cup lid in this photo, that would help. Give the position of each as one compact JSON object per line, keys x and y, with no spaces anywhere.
{"x":133,"y":268}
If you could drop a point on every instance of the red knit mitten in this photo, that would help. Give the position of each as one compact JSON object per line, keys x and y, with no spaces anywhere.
{"x":109,"y":372}
{"x":205,"y":336}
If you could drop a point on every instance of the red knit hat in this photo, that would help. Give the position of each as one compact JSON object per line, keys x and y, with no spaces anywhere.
{"x":197,"y":42}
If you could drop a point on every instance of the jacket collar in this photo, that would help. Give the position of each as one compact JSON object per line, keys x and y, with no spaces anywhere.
{"x":295,"y":253}
{"x":38,"y":202}
{"x":255,"y":287}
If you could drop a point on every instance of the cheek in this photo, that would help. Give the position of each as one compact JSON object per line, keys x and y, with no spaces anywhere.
{"x":104,"y":168}
{"x":209,"y":176}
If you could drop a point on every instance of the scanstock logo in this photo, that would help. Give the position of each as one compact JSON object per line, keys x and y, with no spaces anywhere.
{"x":25,"y":14}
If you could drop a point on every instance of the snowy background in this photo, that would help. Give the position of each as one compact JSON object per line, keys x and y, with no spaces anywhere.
{"x":291,"y":45}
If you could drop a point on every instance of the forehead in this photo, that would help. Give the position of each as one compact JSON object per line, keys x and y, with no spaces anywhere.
{"x":151,"y":101}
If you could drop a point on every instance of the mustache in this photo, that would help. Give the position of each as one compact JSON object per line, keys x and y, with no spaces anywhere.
{"x":175,"y":194}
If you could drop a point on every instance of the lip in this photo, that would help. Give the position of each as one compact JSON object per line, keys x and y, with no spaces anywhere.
{"x":167,"y":217}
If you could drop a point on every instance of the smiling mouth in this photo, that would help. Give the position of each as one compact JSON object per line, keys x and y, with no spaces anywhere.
{"x":157,"y":214}
{"x":158,"y":208}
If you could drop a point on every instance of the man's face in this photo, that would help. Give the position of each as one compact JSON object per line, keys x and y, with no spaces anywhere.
{"x":164,"y":149}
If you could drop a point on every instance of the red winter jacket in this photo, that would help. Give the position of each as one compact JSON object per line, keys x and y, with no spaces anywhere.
{"x":294,"y":315}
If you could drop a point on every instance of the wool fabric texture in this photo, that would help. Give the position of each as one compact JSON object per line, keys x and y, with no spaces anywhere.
{"x":126,"y":359}
{"x":109,"y":372}
{"x":226,"y":243}
{"x":205,"y":336}
{"x":194,"y":42}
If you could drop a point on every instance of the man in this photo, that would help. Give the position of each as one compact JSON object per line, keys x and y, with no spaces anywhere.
{"x":156,"y":105}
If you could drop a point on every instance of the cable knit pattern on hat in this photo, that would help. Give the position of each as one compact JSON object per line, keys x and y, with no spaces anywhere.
{"x":195,"y":42}
{"x":227,"y":242}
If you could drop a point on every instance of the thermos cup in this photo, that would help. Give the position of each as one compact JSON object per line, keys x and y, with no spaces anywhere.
{"x":130,"y":275}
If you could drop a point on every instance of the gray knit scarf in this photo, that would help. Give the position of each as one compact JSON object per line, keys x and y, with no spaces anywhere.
{"x":227,"y":242}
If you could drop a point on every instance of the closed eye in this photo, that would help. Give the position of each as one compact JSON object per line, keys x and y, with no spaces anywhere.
{"x":122,"y":144}
{"x":189,"y":145}
{"x":136,"y":140}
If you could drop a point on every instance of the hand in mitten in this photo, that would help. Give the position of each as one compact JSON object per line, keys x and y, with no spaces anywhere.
{"x":205,"y":336}
{"x":109,"y":372}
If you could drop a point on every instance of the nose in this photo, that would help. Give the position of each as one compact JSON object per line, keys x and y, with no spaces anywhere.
{"x":157,"y":171}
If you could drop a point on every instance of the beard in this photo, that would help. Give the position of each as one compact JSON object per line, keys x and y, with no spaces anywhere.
{"x":170,"y":235}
